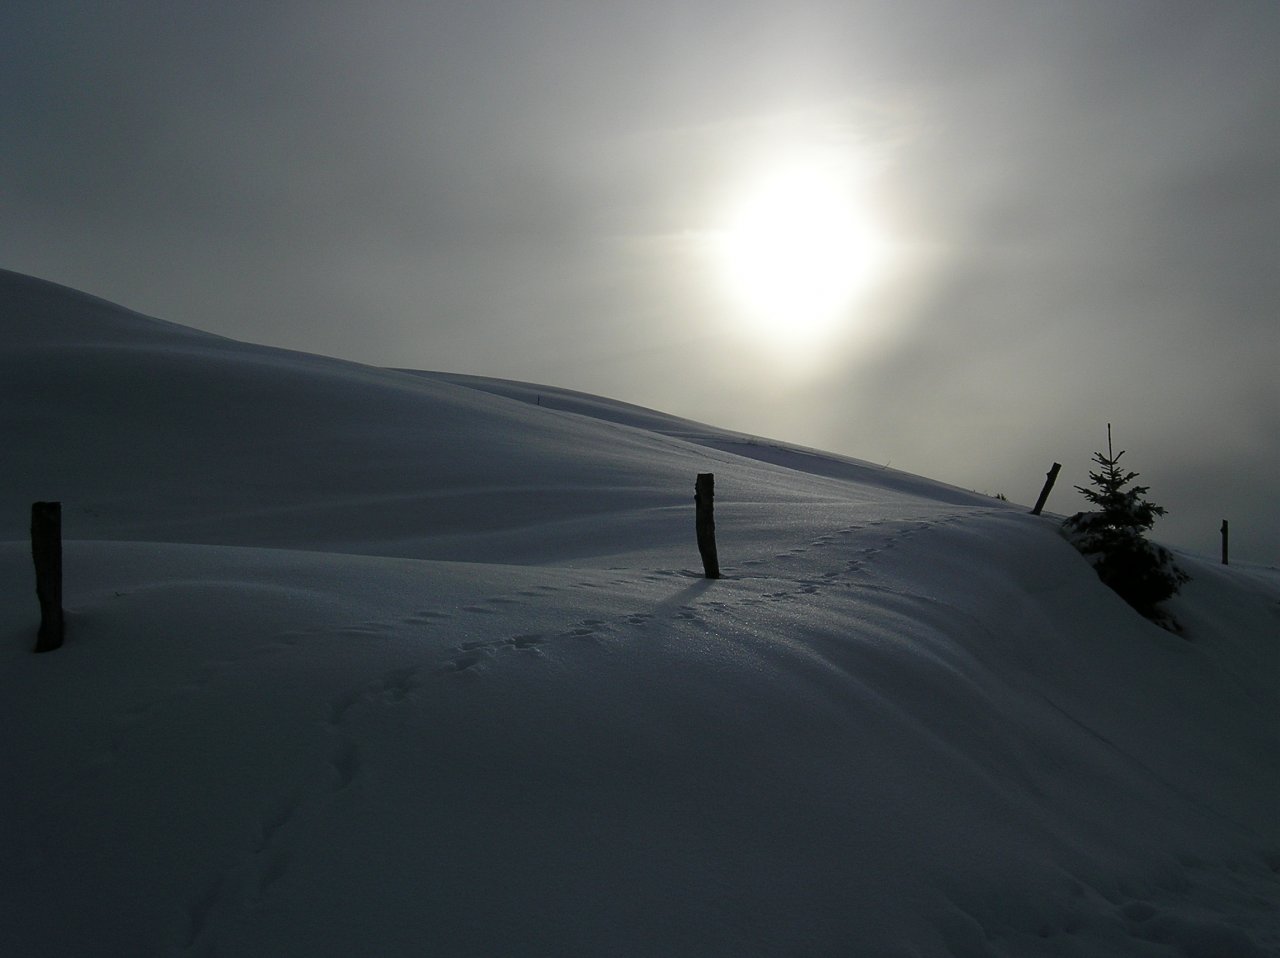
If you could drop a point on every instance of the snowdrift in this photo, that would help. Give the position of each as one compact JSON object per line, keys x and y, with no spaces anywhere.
{"x":367,"y":661}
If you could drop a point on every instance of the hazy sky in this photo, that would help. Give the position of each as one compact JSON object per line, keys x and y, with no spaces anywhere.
{"x":1059,"y":213}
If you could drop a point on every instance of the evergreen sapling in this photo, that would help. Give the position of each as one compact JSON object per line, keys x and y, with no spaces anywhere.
{"x":1111,"y":537}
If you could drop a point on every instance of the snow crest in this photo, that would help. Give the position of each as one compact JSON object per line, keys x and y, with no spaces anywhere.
{"x":365,"y":661}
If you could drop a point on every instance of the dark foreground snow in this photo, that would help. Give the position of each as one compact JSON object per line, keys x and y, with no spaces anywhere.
{"x":373,"y":662}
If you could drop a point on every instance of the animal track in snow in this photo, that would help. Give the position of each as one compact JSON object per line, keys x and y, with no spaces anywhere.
{"x":399,"y":684}
{"x":461,"y":663}
{"x":426,"y":615}
{"x":342,"y":705}
{"x":345,"y":762}
{"x":525,"y":641}
{"x":272,"y":824}
{"x":273,"y":870}
{"x":199,"y":911}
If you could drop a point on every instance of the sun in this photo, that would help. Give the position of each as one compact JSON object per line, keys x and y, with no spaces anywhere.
{"x":794,"y":250}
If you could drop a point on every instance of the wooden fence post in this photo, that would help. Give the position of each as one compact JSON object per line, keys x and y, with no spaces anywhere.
{"x":704,"y":496}
{"x":1050,"y":478}
{"x":46,"y":552}
{"x":1225,"y":533}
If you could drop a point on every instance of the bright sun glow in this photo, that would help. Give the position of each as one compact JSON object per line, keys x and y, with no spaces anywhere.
{"x":794,"y":253}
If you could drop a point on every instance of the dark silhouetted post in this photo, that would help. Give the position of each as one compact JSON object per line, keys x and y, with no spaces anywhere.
{"x":46,"y":552}
{"x":1050,"y":478}
{"x":1225,"y":533}
{"x":704,"y":497}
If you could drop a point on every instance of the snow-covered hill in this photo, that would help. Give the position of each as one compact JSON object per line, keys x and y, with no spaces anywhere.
{"x":366,"y":661}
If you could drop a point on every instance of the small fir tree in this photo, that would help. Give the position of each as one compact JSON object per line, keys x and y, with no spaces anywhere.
{"x":1111,"y":537}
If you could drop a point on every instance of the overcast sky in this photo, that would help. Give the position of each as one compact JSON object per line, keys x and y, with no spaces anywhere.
{"x":1069,"y":211}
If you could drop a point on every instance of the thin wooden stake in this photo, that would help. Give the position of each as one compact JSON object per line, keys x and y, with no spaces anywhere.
{"x":704,"y":497}
{"x":1050,"y":478}
{"x":1225,"y":533}
{"x":46,"y":552}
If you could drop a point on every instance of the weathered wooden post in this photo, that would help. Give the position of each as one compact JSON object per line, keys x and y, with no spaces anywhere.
{"x":1225,"y":533}
{"x":704,"y":496}
{"x":46,"y":552}
{"x":1050,"y":478}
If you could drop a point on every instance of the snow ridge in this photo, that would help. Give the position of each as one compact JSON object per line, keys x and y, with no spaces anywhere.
{"x":364,"y":661}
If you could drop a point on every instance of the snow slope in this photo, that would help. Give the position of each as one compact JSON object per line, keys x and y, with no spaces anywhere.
{"x":365,"y":661}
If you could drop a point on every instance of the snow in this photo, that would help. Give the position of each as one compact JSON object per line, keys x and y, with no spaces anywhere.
{"x":367,"y":661}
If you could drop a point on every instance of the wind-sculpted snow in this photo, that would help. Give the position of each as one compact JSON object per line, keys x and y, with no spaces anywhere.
{"x":483,"y":704}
